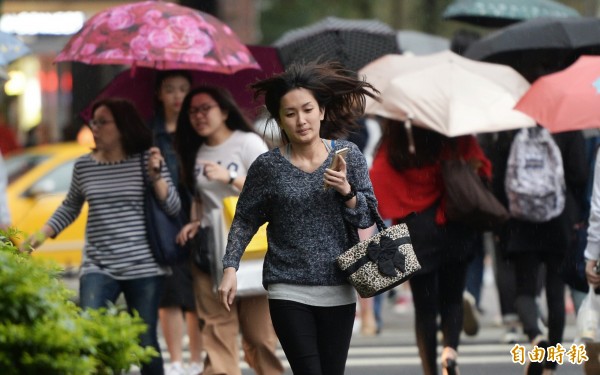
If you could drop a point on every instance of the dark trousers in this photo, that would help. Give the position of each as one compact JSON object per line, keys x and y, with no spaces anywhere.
{"x":475,"y":270}
{"x":527,"y":266}
{"x":438,"y":292}
{"x":315,"y":339}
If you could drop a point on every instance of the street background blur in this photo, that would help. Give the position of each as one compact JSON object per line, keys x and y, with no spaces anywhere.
{"x":42,"y":100}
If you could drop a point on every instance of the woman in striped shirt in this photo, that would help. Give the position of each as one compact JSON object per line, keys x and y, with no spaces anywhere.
{"x":117,"y":257}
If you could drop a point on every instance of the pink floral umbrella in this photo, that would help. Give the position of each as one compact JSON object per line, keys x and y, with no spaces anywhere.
{"x":141,"y":90}
{"x":158,"y":35}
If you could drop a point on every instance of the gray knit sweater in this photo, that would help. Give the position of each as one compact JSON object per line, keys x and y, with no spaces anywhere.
{"x":306,"y":230}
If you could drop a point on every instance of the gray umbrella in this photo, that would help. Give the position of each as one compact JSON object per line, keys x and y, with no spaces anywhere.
{"x":354,"y":42}
{"x":498,"y":13}
{"x":539,"y":46}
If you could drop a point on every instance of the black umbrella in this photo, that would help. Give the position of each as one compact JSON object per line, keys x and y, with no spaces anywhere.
{"x":499,"y":13}
{"x":354,"y":43}
{"x":539,"y":46}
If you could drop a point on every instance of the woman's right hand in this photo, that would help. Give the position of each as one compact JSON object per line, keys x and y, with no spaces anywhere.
{"x":228,"y":287}
{"x":592,"y":276}
{"x":187,"y":232}
{"x":36,"y":239}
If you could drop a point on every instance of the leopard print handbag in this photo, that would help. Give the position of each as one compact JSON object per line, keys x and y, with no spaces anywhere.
{"x":382,"y":262}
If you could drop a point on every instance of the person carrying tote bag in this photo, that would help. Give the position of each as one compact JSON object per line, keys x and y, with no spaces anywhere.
{"x":307,"y":202}
{"x":117,"y":255}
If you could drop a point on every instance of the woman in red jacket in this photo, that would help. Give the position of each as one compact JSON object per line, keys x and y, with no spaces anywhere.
{"x":405,"y":182}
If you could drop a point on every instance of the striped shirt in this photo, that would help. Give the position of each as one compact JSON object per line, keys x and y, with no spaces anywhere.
{"x":116,"y":241}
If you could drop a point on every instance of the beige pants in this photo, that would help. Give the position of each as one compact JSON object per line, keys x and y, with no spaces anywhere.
{"x":250,"y":317}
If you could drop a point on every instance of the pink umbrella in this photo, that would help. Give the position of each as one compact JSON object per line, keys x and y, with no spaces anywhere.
{"x":566,"y":100}
{"x":139,"y":88}
{"x":158,"y":35}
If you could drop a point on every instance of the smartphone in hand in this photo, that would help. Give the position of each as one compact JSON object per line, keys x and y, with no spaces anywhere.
{"x":335,"y":162}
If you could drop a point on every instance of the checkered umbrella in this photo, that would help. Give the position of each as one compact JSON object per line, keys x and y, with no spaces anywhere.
{"x":353,"y":43}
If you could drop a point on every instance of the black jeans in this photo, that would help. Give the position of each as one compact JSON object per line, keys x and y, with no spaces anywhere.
{"x":315,"y":339}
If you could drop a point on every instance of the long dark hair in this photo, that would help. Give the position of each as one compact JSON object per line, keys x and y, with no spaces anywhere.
{"x":136,"y":137}
{"x":161,"y":76}
{"x":337,"y":91}
{"x":187,"y":141}
{"x":428,"y":145}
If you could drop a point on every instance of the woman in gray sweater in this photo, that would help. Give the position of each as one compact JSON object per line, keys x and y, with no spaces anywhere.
{"x":309,"y":209}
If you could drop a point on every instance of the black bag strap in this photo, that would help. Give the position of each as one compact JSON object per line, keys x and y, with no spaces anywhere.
{"x":352,"y":231}
{"x":145,"y":177}
{"x":376,"y":217}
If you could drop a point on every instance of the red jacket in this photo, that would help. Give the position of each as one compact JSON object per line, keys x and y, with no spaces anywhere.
{"x":414,"y":189}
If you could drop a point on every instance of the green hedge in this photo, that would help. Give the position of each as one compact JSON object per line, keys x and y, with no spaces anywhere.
{"x":43,"y":332}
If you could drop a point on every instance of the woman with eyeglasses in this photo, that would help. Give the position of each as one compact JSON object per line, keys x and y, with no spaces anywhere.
{"x":116,"y":256}
{"x":216,"y":145}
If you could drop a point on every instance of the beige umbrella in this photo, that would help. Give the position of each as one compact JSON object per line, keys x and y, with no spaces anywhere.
{"x":447,"y":93}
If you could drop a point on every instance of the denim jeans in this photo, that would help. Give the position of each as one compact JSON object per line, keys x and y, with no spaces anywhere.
{"x":97,"y":290}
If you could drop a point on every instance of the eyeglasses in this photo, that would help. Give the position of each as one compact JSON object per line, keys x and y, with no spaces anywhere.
{"x":204,"y":109}
{"x":99,"y":123}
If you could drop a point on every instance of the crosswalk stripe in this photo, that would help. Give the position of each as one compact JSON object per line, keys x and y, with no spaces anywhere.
{"x":387,"y":350}
{"x":365,"y":356}
{"x":364,"y":362}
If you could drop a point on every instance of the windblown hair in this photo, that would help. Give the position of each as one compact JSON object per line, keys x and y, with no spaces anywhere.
{"x":337,"y":91}
{"x":428,"y":145}
{"x":187,"y":140}
{"x":136,"y":137}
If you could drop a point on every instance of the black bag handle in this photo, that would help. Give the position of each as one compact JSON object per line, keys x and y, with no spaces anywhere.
{"x":353,"y":232}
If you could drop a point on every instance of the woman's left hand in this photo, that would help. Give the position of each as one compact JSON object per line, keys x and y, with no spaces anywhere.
{"x":214,"y":171}
{"x":155,"y":161}
{"x":337,"y":179}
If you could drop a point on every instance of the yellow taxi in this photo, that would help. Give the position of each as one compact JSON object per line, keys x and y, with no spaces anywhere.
{"x":38,"y":181}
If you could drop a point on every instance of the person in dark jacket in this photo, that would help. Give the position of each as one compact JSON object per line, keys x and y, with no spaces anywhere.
{"x":177,"y":306}
{"x":533,"y":245}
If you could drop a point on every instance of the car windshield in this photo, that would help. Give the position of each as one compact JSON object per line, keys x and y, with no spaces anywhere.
{"x":18,"y":165}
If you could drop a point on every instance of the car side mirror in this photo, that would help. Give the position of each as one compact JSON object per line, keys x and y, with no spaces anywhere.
{"x":46,"y":186}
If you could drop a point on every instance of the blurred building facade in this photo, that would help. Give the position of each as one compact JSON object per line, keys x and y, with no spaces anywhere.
{"x":41,"y":100}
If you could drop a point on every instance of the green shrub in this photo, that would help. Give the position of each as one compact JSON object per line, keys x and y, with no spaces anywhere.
{"x":43,"y":332}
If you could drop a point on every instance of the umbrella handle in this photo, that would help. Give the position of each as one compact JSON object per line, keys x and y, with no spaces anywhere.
{"x":411,"y":140}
